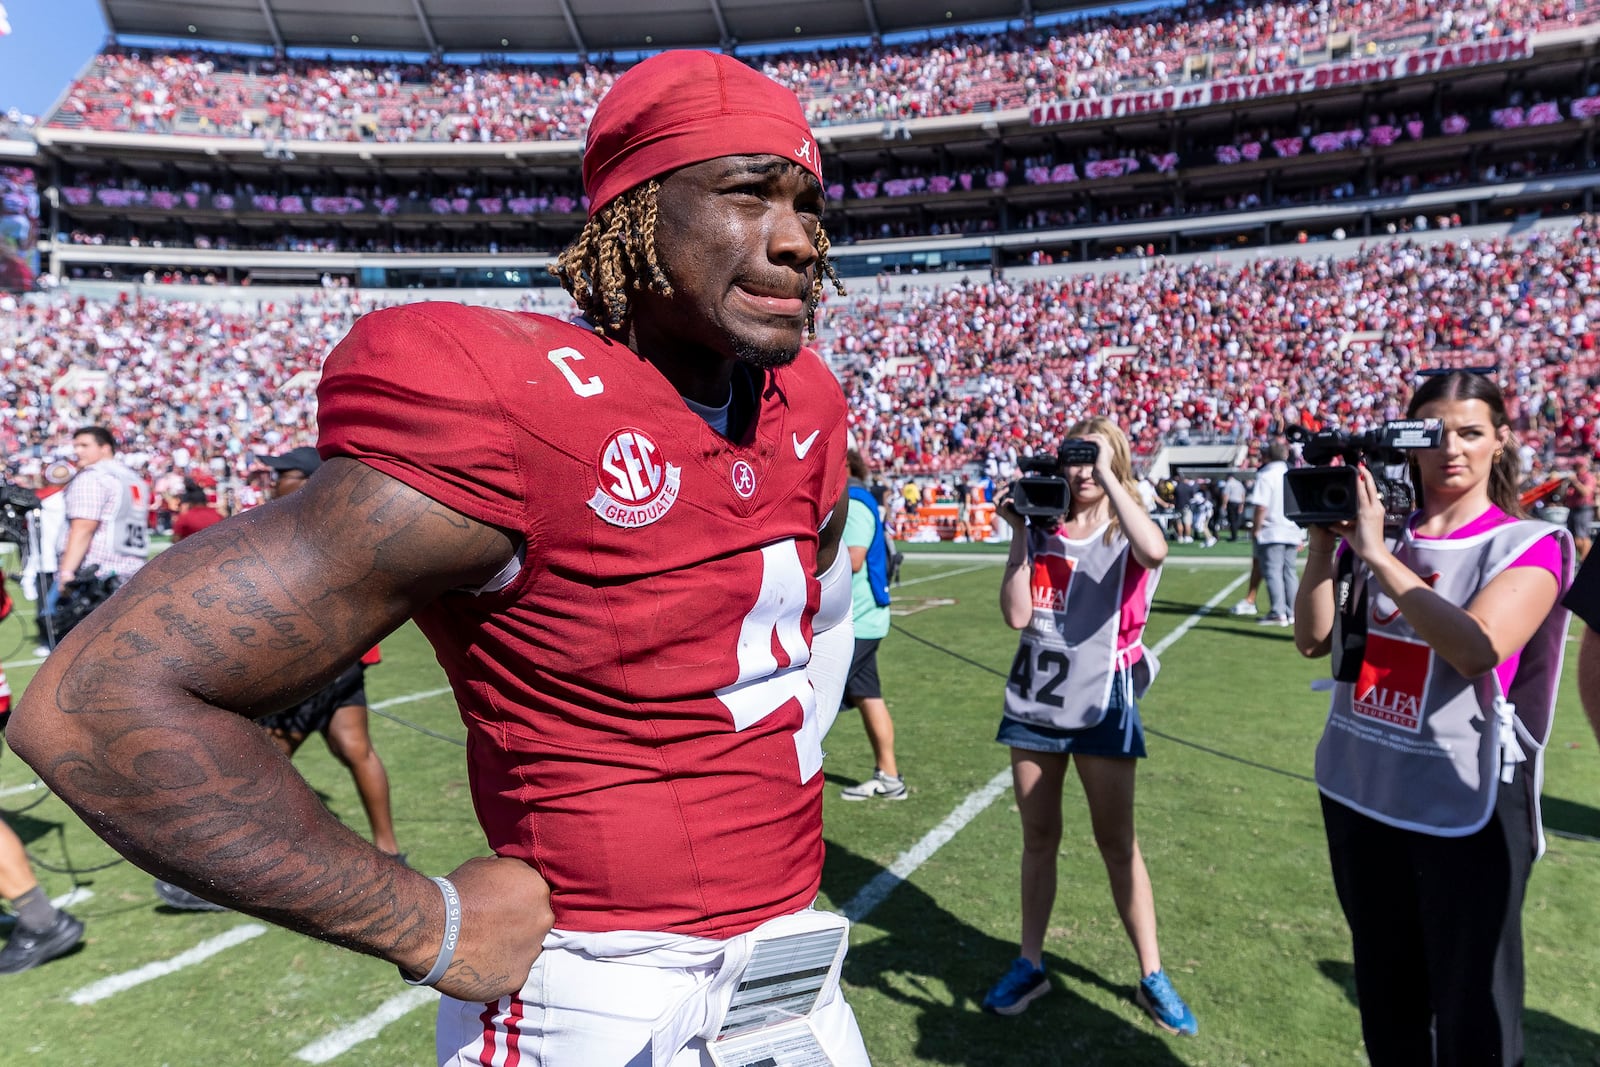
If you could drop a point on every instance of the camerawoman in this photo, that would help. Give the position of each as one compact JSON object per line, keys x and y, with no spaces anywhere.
{"x":1447,"y":641}
{"x":1083,"y":565}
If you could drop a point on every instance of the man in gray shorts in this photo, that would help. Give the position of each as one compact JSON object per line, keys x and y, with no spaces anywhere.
{"x":867,"y":542}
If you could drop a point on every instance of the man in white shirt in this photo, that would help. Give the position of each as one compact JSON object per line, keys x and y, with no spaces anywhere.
{"x":1276,"y":538}
{"x":108,"y":511}
{"x":108,"y":526}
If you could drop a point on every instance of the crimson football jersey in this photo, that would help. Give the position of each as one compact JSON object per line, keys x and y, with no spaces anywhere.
{"x":640,"y":727}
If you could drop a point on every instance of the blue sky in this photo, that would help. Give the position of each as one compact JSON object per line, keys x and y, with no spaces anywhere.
{"x":49,"y":43}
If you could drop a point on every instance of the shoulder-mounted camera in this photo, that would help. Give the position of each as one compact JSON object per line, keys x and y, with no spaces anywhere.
{"x":87,"y":591}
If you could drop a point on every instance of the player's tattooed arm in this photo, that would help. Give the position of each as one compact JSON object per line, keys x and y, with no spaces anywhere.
{"x":140,"y":720}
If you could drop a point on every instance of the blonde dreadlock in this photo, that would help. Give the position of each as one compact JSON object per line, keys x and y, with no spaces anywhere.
{"x":616,"y":252}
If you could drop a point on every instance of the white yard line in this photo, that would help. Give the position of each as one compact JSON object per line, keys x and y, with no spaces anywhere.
{"x":410,"y":698}
{"x":121,"y":983}
{"x":15,"y":790}
{"x":346,"y":1038}
{"x":75,"y":896}
{"x":951,"y":574}
{"x":877,"y":891}
{"x":1205,"y":609}
{"x":888,"y":880}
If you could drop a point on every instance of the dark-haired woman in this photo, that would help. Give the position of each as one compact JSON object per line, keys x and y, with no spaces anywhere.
{"x":1080,"y":591}
{"x":1430,"y":763}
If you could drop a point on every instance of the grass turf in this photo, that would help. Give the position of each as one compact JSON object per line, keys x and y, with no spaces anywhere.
{"x":1250,"y":930}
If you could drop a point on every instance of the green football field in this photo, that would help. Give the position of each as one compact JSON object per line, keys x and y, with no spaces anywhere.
{"x":1228,"y":820}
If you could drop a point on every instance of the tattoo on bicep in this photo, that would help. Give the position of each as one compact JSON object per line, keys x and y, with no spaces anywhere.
{"x":245,"y":599}
{"x":198,"y":636}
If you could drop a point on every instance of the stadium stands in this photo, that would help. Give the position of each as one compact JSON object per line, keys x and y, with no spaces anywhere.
{"x":980,"y":373}
{"x":938,"y":377}
{"x":231,"y":95}
{"x":941,"y":375}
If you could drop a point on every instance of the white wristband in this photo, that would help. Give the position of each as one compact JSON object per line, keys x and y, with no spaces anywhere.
{"x":452,"y":935}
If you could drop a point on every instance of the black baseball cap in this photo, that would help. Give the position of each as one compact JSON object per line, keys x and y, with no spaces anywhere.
{"x":303,"y":459}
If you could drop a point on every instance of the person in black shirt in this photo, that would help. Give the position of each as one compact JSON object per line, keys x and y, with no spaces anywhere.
{"x":1583,"y":600}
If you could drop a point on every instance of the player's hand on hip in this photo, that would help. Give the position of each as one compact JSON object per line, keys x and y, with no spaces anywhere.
{"x":505,"y":907}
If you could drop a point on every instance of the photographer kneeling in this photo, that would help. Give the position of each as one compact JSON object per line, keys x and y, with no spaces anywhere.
{"x":1447,"y":653}
{"x":1085,"y":558}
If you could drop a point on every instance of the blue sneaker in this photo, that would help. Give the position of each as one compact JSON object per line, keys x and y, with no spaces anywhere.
{"x":1157,"y":997}
{"x":1018,"y":987}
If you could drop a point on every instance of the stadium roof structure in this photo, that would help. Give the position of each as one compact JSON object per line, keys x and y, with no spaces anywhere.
{"x":560,"y":27}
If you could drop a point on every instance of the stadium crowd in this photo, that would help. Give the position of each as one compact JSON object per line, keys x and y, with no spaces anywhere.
{"x":938,"y":378}
{"x":1316,"y":135}
{"x":225,"y":94}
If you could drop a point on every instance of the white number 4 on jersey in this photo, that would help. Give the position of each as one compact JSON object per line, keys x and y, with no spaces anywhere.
{"x":764,"y":687}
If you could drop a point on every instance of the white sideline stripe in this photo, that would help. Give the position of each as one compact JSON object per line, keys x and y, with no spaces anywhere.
{"x":1205,"y":609}
{"x":952,"y":574}
{"x":76,"y":896}
{"x":859,"y":906}
{"x":410,"y":697}
{"x":121,"y":983}
{"x":14,"y":790}
{"x":877,"y":891}
{"x":345,"y":1038}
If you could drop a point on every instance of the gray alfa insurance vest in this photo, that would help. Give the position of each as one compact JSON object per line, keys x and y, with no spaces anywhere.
{"x":1416,"y":745}
{"x":1067,"y":658}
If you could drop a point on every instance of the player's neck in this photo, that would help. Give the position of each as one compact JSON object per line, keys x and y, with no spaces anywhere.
{"x":697,"y":373}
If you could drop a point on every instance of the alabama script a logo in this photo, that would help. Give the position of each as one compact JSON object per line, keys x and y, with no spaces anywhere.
{"x":637,"y":486}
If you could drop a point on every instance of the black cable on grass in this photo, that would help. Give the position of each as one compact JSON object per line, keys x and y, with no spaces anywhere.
{"x":1567,"y":834}
{"x":25,"y":640}
{"x":1158,"y":733}
{"x":417,"y":727}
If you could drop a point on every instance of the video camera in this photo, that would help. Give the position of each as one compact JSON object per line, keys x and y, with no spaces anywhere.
{"x":1324,"y":493}
{"x":15,"y":503}
{"x":1041,"y":491}
{"x":87,"y":591}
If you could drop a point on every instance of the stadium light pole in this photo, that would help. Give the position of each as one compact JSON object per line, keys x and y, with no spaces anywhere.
{"x":272,"y":25}
{"x":872,"y":17}
{"x":572,"y":28}
{"x":427,"y":27}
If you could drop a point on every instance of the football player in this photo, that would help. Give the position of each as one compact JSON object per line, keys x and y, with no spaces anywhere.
{"x":621,"y":536}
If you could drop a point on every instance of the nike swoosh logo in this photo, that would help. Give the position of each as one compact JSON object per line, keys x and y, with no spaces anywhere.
{"x":802,"y":447}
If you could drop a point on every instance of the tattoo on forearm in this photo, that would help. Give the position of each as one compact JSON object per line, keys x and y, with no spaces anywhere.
{"x":208,"y":803}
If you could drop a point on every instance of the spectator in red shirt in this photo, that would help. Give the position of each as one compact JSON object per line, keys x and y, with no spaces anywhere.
{"x":194,"y":514}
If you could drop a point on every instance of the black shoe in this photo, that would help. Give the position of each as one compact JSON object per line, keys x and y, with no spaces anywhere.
{"x":174,"y":896}
{"x":28,"y":949}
